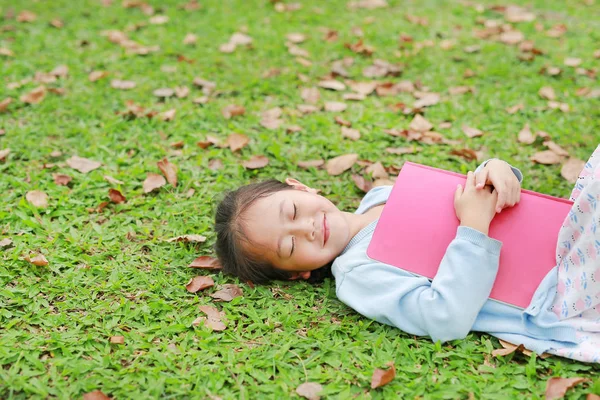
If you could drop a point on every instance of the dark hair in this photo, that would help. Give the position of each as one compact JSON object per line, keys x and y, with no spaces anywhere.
{"x":230,"y":236}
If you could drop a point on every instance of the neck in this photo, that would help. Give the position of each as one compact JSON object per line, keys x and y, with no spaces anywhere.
{"x":357,"y":222}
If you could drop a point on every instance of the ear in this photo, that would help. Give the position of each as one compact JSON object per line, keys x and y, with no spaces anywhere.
{"x":300,"y":186}
{"x":300,"y":275}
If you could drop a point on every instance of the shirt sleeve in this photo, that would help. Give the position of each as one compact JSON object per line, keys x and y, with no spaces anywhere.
{"x":515,"y":170}
{"x":445,"y":308}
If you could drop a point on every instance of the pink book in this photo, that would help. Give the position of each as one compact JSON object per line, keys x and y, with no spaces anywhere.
{"x":418,"y":223}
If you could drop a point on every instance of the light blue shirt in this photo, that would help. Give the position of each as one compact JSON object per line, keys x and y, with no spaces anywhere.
{"x":456,"y":301}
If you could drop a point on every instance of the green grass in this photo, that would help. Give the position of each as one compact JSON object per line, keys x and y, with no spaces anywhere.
{"x":55,"y":321}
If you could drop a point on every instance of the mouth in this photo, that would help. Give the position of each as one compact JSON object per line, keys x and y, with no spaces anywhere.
{"x":325,"y":230}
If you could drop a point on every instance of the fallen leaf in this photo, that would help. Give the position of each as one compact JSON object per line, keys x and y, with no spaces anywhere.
{"x":5,"y":242}
{"x":206,"y":262}
{"x":39,"y":260}
{"x":546,"y":157}
{"x":339,"y":164}
{"x":307,"y":108}
{"x":311,"y":163}
{"x":360,"y":48}
{"x":61,"y":71}
{"x":556,"y":388}
{"x":518,"y":14}
{"x":57,"y":23}
{"x":547,"y":93}
{"x":83,"y":165}
{"x":368,"y":4}
{"x":471,"y":132}
{"x":26,"y":16}
{"x":4,"y":104}
{"x":188,"y":239}
{"x":37,"y":198}
{"x":215,"y":164}
{"x":122,"y":85}
{"x":525,"y":135}
{"x":97,"y":75}
{"x":35,"y":96}
{"x":206,"y":86}
{"x":401,"y":150}
{"x":515,"y":108}
{"x":153,"y":181}
{"x":240,"y":39}
{"x":95,"y":395}
{"x":467,"y":154}
{"x":169,"y":171}
{"x":213,"y":318}
{"x":163,"y":92}
{"x":237,"y":141}
{"x":232,"y":110}
{"x":309,"y":390}
{"x":429,"y":99}
{"x":117,"y":340}
{"x":555,"y":148}
{"x":332,"y":85}
{"x":62,"y":179}
{"x":363,"y":184}
{"x":460,"y":90}
{"x":112,"y":180}
{"x":511,"y":37}
{"x":296,"y":37}
{"x":310,"y":95}
{"x":350,"y":133}
{"x":256,"y":162}
{"x":573,"y":62}
{"x":4,"y":153}
{"x":335,"y":106}
{"x":564,"y":107}
{"x":293,"y":128}
{"x":420,"y":124}
{"x":159,"y":19}
{"x":571,"y":169}
{"x":364,"y":88}
{"x":199,"y":283}
{"x":182,"y":91}
{"x":382,"y":377}
{"x":190,"y":39}
{"x":168,"y":115}
{"x":377,"y":171}
{"x":472,"y":49}
{"x":341,"y":121}
{"x":228,"y":292}
{"x":116,"y":197}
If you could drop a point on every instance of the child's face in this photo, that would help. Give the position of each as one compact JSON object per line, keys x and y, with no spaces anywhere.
{"x":274,"y":231}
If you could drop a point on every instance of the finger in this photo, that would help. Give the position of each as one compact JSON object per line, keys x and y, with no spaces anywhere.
{"x":470,"y":180}
{"x":501,"y":199}
{"x":481,"y":179}
{"x":518,"y":194}
{"x":458,"y":193}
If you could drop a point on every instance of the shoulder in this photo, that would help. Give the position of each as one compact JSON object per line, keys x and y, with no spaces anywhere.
{"x":377,"y":195}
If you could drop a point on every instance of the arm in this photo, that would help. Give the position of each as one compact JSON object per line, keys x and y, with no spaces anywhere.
{"x":444,"y":309}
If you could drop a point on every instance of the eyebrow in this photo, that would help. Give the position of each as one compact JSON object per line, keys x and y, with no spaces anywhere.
{"x":280,"y":220}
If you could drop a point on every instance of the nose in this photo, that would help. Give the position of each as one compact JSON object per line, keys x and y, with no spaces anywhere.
{"x":304,"y":227}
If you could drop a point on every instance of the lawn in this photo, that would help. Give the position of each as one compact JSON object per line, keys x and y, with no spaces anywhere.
{"x":112,"y":274}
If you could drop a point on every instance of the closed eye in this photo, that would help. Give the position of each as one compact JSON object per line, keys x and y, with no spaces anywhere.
{"x":294,"y":211}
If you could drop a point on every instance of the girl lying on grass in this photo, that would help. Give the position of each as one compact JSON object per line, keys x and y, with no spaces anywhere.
{"x":274,"y":230}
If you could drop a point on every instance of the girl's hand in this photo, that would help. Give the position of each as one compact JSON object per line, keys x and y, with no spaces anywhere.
{"x":499,"y":174}
{"x":475,"y":208}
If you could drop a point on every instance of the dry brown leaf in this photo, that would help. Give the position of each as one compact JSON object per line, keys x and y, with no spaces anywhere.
{"x":227,"y":293}
{"x":240,"y":39}
{"x":35,"y":96}
{"x":547,"y":93}
{"x":350,"y":133}
{"x":401,"y":150}
{"x":296,"y":37}
{"x":60,"y":71}
{"x":471,"y":132}
{"x":215,"y":164}
{"x":339,"y":164}
{"x":310,"y":95}
{"x":377,"y":171}
{"x":364,"y":88}
{"x":188,"y":239}
{"x":168,"y":115}
{"x":190,"y":39}
{"x":467,"y":154}
{"x":213,"y":318}
{"x":507,"y":348}
{"x":309,"y":390}
{"x":428,"y":99}
{"x":83,"y":165}
{"x":360,"y":48}
{"x":182,"y":91}
{"x":159,"y":20}
{"x":97,"y":75}
{"x":511,"y":37}
{"x":556,"y":387}
{"x":62,"y":179}
{"x":368,"y":4}
{"x":564,"y":107}
{"x":571,"y":169}
{"x":117,"y":339}
{"x":153,"y":181}
{"x":6,"y":52}
{"x":26,"y":16}
{"x":515,"y":108}
{"x":461,"y":90}
{"x":232,"y":110}
{"x":116,"y":197}
{"x":37,"y":198}
{"x":363,"y":184}
{"x":293,"y":129}
{"x":4,"y":104}
{"x":573,"y":62}
{"x":547,"y":157}
{"x":341,"y":121}
{"x":39,"y":260}
{"x":332,"y":84}
{"x":4,"y":153}
{"x":525,"y":135}
{"x":353,"y":96}
{"x":311,"y":163}
{"x":199,"y":283}
{"x":206,"y":262}
{"x":95,"y":395}
{"x":256,"y":162}
{"x":5,"y":242}
{"x":163,"y":92}
{"x":472,"y":49}
{"x":122,"y":85}
{"x":383,"y":377}
{"x":420,"y":124}
{"x":237,"y":141}
{"x":206,"y":86}
{"x":335,"y":106}
{"x":518,"y":14}
{"x":554,"y":147}
{"x":169,"y":171}
{"x":112,"y":180}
